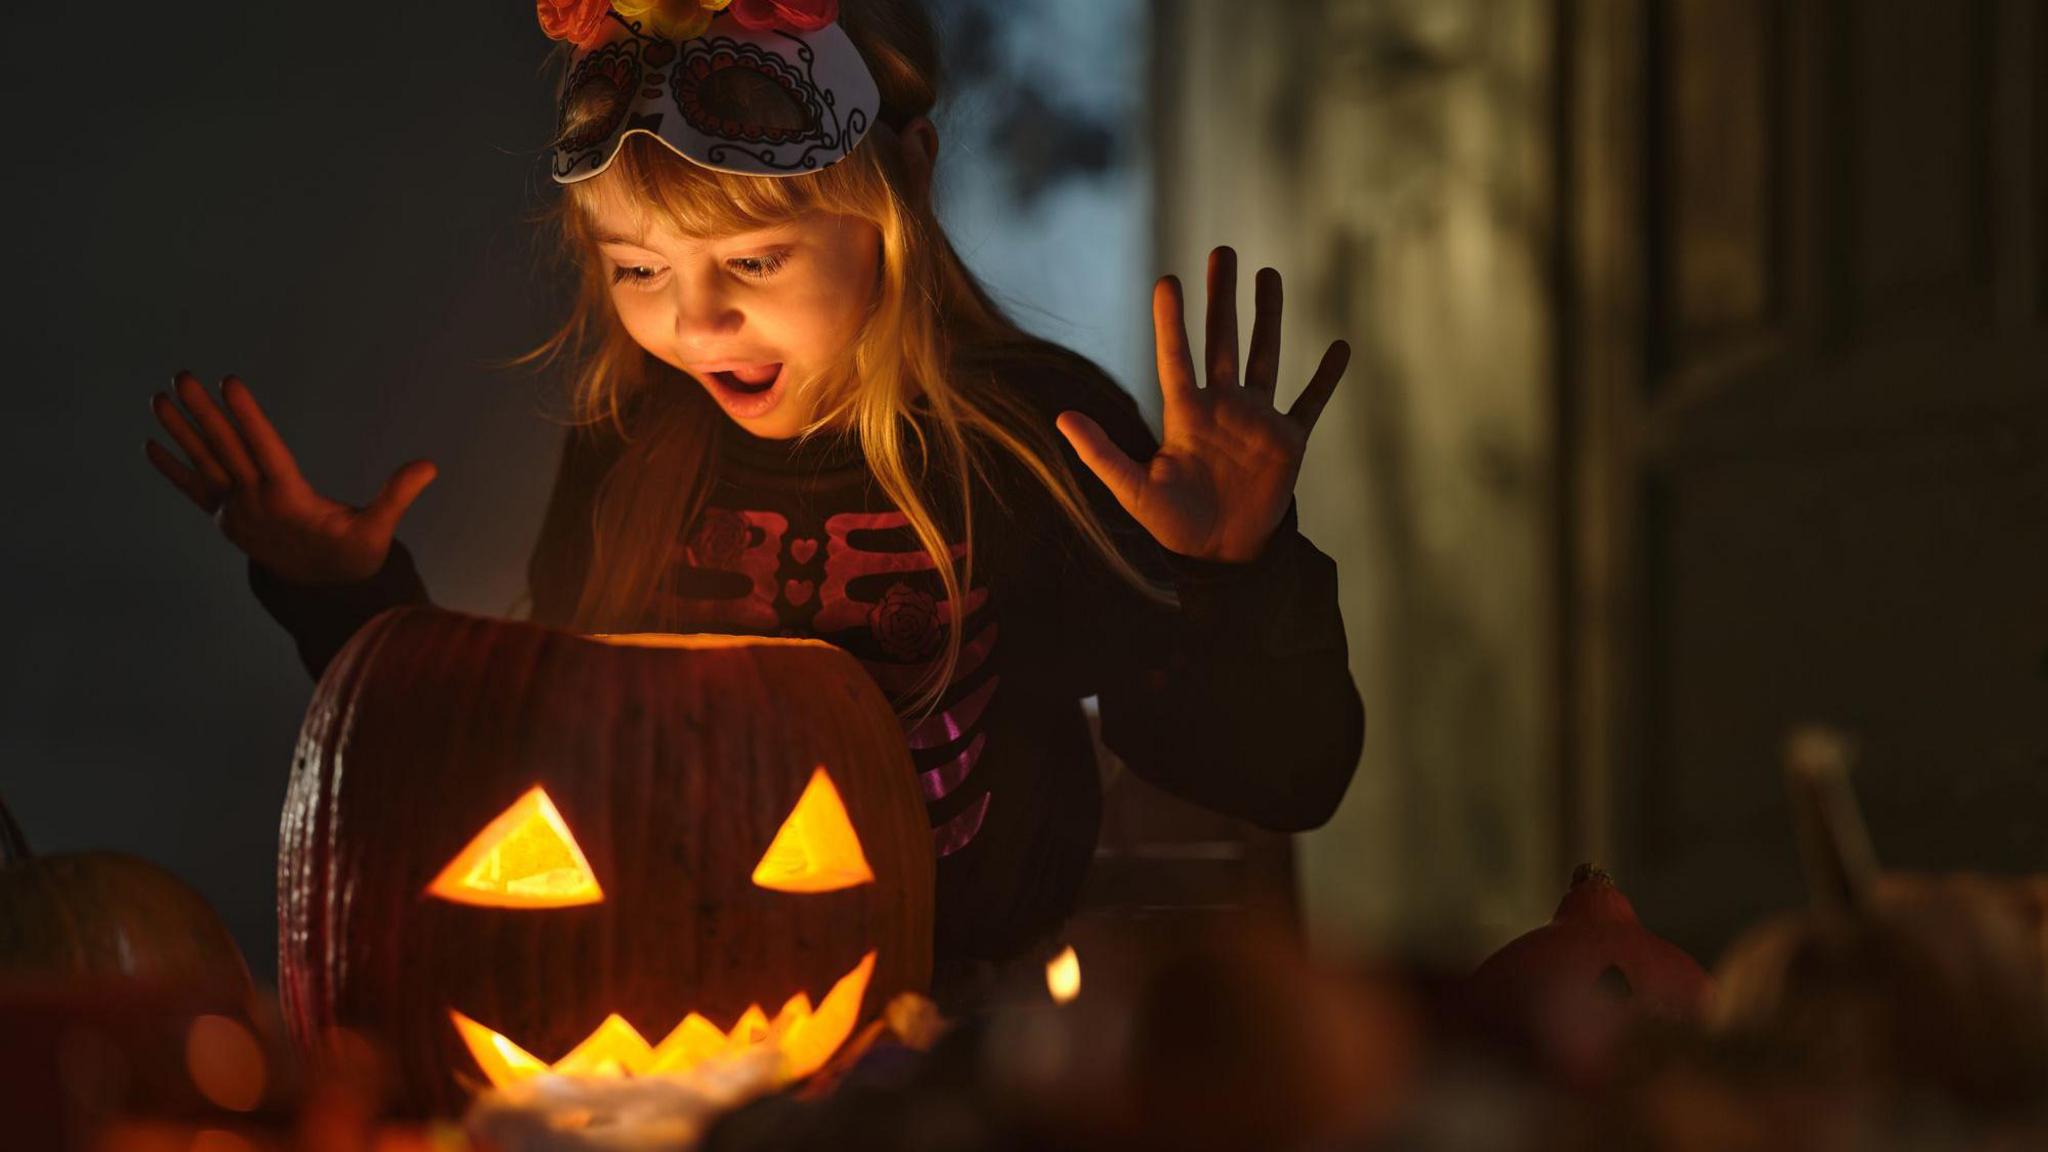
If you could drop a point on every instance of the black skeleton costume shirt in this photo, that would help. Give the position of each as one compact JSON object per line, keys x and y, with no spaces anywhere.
{"x":1240,"y":699}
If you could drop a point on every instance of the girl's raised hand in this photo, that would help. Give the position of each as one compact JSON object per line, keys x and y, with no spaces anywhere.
{"x":240,"y":473}
{"x":1227,"y":461}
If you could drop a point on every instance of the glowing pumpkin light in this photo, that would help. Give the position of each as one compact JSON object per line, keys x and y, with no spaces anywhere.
{"x":509,"y":850}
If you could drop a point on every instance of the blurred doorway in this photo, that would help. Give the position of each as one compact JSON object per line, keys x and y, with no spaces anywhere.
{"x":1805,"y":419}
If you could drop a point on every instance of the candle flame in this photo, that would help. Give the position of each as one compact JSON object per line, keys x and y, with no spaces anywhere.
{"x":1063,"y":975}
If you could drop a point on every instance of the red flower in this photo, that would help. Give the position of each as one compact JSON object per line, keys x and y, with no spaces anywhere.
{"x":577,"y":21}
{"x":787,"y":15}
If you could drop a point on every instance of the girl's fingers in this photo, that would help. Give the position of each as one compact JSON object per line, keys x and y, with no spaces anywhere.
{"x":1262,"y":367}
{"x":1220,"y":346}
{"x":220,"y":435}
{"x":1122,"y":475}
{"x":399,"y":492}
{"x":181,"y":477}
{"x":1170,"y":338}
{"x":264,"y":443}
{"x":1308,"y":407}
{"x":209,"y":471}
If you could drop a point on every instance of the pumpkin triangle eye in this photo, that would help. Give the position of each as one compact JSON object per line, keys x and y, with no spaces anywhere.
{"x":525,"y":858}
{"x":816,"y":850}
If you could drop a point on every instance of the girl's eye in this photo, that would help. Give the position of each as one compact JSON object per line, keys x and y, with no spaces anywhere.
{"x":758,"y":267}
{"x":751,"y":267}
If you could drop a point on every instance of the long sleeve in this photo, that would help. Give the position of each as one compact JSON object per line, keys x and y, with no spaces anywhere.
{"x":322,"y":617}
{"x":1240,"y":700}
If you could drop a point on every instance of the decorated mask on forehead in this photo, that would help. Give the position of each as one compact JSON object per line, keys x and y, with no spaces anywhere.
{"x":755,"y":87}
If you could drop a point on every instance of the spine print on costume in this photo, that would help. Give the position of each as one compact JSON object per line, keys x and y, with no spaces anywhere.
{"x":859,"y":580}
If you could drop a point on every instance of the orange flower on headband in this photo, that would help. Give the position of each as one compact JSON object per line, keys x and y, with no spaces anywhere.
{"x":671,"y":19}
{"x":577,"y":21}
{"x":787,"y":15}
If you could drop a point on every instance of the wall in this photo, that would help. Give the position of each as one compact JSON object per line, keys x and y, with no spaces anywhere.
{"x":1391,"y":160}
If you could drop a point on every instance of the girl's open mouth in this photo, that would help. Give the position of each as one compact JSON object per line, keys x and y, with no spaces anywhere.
{"x":750,"y":381}
{"x":749,"y":391}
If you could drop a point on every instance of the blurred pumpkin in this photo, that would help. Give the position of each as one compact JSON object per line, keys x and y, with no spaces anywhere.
{"x":107,"y":914}
{"x":2020,"y":901}
{"x":1562,"y":995}
{"x":1896,"y":984}
{"x":509,"y":850}
{"x":113,"y":974}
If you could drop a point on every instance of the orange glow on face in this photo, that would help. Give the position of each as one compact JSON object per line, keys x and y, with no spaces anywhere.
{"x":526,"y":858}
{"x":816,"y":849}
{"x":803,"y":1038}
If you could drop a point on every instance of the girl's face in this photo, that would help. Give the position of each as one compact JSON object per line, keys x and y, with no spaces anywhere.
{"x":747,"y":315}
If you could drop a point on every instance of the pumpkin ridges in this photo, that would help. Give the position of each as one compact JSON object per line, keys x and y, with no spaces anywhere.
{"x":306,"y":861}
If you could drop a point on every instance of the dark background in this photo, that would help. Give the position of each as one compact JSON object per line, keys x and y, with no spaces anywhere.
{"x":327,"y":201}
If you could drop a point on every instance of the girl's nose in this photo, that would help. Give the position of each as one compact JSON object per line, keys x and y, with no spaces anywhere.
{"x":703,"y":311}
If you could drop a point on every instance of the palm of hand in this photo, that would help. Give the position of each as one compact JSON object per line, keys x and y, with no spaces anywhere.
{"x":304,"y":536}
{"x":240,"y":472}
{"x":1228,"y":459}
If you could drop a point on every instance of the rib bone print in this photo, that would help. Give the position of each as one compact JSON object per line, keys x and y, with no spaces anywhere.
{"x":861,"y":581}
{"x":725,"y":580}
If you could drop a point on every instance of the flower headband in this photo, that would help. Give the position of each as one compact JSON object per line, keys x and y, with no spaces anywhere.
{"x":757,"y":87}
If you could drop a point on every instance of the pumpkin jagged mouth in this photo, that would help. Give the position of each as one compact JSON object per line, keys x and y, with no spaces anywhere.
{"x":804,"y":1037}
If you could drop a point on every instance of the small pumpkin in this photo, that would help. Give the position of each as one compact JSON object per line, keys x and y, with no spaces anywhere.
{"x":508,"y":849}
{"x":108,"y":915}
{"x":106,"y":963}
{"x":1562,"y":994}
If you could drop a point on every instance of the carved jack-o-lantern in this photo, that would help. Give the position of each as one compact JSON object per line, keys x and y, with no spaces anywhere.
{"x":508,"y":850}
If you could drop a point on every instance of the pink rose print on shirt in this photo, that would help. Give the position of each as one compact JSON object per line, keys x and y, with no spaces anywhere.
{"x":721,"y":535}
{"x":905,"y":622}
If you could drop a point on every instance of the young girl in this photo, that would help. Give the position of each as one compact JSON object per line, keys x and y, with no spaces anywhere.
{"x":799,"y":414}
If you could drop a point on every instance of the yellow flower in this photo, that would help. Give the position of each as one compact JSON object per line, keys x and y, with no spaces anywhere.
{"x":671,"y":19}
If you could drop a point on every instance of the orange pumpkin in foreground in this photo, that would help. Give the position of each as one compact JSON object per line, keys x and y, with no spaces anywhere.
{"x":508,"y":849}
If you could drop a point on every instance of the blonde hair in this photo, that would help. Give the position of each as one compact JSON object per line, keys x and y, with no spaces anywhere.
{"x":932,"y":346}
